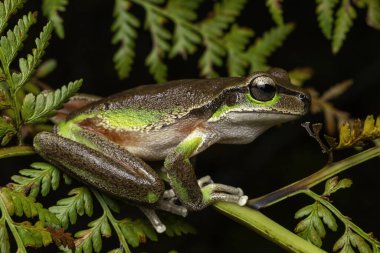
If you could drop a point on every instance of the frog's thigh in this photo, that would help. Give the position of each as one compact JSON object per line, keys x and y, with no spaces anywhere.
{"x":111,"y":169}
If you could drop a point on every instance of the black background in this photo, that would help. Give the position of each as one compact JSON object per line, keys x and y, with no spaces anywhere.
{"x":280,"y":156}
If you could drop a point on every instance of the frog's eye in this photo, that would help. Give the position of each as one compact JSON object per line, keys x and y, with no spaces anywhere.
{"x":263,"y":88}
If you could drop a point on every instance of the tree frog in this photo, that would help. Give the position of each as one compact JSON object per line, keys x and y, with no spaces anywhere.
{"x":107,"y":142}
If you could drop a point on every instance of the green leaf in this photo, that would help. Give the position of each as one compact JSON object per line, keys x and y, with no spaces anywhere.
{"x":350,"y":240}
{"x":160,"y":38}
{"x":12,"y":43}
{"x":39,"y":109}
{"x":35,"y":235}
{"x":325,"y":12}
{"x":18,"y":204}
{"x":212,"y":30}
{"x":265,"y":46}
{"x":28,"y":65}
{"x":67,"y":209}
{"x":300,"y":75}
{"x":373,"y":13}
{"x":345,"y":18}
{"x":276,"y":11}
{"x":124,"y":28}
{"x":7,"y":8}
{"x":311,"y":228}
{"x":185,"y":37}
{"x":177,"y":226}
{"x":46,"y":68}
{"x":5,"y":246}
{"x":42,"y":176}
{"x":7,"y":130}
{"x":236,"y":42}
{"x":91,"y":239}
{"x":136,"y":231}
{"x":51,"y":9}
{"x":333,"y":184}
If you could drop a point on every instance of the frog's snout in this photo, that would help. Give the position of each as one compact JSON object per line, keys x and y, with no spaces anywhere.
{"x":306,"y":100}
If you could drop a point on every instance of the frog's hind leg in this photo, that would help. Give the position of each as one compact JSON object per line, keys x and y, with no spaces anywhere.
{"x":108,"y":168}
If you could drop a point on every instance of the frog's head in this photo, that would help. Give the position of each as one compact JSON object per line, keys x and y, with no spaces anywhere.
{"x":262,"y":100}
{"x":273,"y":93}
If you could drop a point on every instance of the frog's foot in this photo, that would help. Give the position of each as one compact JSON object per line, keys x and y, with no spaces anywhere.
{"x":220,"y":192}
{"x":154,"y":220}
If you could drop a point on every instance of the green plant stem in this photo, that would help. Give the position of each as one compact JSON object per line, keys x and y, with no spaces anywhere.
{"x":16,"y":151}
{"x":314,"y":179}
{"x":266,"y":227}
{"x":112,"y":219}
{"x":346,"y":221}
{"x":5,"y":215}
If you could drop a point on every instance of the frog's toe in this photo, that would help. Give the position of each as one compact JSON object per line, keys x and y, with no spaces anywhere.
{"x":226,"y":193}
{"x":154,"y":220}
{"x":169,"y":194}
{"x":203,"y":181}
{"x":171,"y":207}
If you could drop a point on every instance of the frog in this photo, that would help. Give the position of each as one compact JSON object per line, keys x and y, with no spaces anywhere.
{"x":108,"y":143}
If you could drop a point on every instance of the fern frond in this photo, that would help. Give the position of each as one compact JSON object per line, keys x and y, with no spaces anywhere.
{"x":28,"y":65}
{"x":275,"y":9}
{"x":91,"y":239}
{"x":67,"y":209}
{"x":349,"y":241}
{"x":236,"y":42}
{"x":18,"y":204}
{"x":137,"y":231}
{"x":7,"y":8}
{"x":51,"y":9}
{"x":359,"y":132}
{"x":177,"y":226}
{"x":212,"y":29}
{"x":325,"y":12}
{"x":264,"y":47}
{"x":311,"y":228}
{"x":39,"y":109}
{"x":125,"y":34}
{"x":160,"y":39}
{"x":12,"y":43}
{"x":42,"y":177}
{"x":373,"y":13}
{"x":7,"y":130}
{"x":344,"y":20}
{"x":35,"y":235}
{"x":185,"y":37}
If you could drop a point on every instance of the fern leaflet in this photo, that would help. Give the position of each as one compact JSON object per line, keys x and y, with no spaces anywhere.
{"x":12,"y":43}
{"x":7,"y":8}
{"x":67,"y":209}
{"x":51,"y":9}
{"x":373,"y":13}
{"x":276,"y":11}
{"x":325,"y":12}
{"x":42,"y":177}
{"x":28,"y":65}
{"x":263,"y":47}
{"x":125,"y":34}
{"x":40,"y":108}
{"x":345,"y":18}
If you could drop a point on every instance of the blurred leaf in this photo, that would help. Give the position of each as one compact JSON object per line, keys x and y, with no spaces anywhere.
{"x":124,"y":28}
{"x":46,"y":68}
{"x":345,"y":17}
{"x":300,"y":75}
{"x":275,"y":9}
{"x":264,"y":46}
{"x":5,"y":246}
{"x":51,"y":9}
{"x":7,"y":130}
{"x":325,"y":12}
{"x":373,"y":13}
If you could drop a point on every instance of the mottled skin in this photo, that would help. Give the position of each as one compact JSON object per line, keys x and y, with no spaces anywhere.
{"x":105,"y":142}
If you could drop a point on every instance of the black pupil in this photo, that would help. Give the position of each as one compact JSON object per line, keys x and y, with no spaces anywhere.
{"x":263,"y":91}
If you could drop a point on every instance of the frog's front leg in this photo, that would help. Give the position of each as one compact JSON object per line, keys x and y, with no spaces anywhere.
{"x":193,"y":194}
